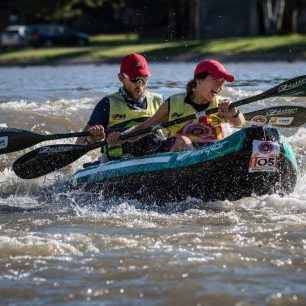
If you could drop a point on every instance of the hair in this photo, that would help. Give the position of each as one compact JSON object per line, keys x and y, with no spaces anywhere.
{"x":193,"y":83}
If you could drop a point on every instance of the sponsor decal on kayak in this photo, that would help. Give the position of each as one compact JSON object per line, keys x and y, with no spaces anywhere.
{"x":208,"y":150}
{"x":197,"y":129}
{"x":281,"y":120}
{"x":265,"y":155}
{"x":3,"y":142}
{"x":217,"y":146}
{"x":265,"y":147}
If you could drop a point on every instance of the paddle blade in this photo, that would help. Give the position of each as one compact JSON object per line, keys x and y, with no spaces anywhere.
{"x":290,"y":88}
{"x":46,"y":159}
{"x":294,"y":87}
{"x":283,"y":116}
{"x":12,"y":139}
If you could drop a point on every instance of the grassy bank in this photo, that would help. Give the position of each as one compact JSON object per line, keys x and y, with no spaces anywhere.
{"x":112,"y":47}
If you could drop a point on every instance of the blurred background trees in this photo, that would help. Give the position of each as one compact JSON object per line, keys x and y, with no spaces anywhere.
{"x":169,"y":18}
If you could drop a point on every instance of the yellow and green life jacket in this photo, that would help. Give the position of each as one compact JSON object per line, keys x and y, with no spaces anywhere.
{"x":122,"y":116}
{"x":203,"y":129}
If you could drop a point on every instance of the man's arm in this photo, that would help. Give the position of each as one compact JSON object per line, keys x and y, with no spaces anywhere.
{"x":97,"y":134}
{"x":97,"y":123}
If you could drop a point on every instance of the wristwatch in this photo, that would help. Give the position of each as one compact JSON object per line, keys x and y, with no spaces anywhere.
{"x":236,"y":115}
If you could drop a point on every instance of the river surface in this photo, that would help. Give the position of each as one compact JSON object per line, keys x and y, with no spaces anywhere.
{"x":61,"y":247}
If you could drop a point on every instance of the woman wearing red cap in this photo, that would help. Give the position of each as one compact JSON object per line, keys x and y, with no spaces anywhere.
{"x":126,"y":108}
{"x":202,"y":94}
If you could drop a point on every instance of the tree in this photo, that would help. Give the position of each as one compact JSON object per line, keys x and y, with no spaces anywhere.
{"x":54,"y":10}
{"x":273,"y":14}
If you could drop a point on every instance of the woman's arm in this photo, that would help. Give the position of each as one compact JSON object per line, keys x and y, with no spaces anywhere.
{"x":237,"y":119}
{"x":231,"y":115}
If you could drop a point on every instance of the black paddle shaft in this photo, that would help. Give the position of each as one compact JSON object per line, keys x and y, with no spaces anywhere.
{"x":13,"y":139}
{"x":50,"y":158}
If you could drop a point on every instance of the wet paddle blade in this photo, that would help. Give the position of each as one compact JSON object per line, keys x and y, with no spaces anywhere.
{"x":47,"y":159}
{"x":290,"y":88}
{"x":282,"y":116}
{"x":12,"y":139}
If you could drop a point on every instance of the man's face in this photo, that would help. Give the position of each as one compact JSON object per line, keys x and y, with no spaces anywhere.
{"x":134,"y":88}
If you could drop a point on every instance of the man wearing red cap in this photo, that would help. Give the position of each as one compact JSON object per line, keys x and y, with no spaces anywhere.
{"x":126,"y":108}
{"x":202,"y":94}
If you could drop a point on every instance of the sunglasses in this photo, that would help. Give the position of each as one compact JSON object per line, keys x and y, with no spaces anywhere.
{"x":142,"y":80}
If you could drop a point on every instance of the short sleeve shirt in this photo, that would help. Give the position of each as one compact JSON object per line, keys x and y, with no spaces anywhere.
{"x":100,"y":114}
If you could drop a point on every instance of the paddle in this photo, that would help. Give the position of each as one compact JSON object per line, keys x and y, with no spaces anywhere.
{"x":13,"y":139}
{"x":47,"y":159}
{"x":283,"y":116}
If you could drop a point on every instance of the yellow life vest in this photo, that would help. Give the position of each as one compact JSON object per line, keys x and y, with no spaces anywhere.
{"x":121,"y":115}
{"x":204,"y":129}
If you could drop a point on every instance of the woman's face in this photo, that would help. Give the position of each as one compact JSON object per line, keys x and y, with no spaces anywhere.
{"x":209,"y":87}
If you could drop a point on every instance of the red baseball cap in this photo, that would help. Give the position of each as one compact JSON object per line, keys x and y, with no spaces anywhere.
{"x":214,"y":68}
{"x":135,"y":66}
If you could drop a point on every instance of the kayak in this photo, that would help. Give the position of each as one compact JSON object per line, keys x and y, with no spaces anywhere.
{"x":257,"y":160}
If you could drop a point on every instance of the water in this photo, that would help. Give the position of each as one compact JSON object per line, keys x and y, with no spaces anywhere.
{"x":60,"y":247}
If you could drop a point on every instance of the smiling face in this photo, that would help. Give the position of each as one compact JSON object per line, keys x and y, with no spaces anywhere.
{"x":134,"y":90}
{"x":206,"y":89}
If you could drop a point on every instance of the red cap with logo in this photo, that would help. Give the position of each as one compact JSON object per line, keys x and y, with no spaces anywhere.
{"x":215,"y":69}
{"x":135,"y":66}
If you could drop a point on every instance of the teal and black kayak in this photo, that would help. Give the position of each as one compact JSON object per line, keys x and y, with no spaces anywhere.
{"x":253,"y":161}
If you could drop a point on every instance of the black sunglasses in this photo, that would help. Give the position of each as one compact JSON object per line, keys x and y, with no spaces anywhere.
{"x":137,"y":80}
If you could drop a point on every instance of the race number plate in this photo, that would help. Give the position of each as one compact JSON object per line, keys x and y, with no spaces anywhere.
{"x":264,"y":157}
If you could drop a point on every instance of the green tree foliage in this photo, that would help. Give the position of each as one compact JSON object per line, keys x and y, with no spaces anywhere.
{"x":169,"y":18}
{"x":55,"y":9}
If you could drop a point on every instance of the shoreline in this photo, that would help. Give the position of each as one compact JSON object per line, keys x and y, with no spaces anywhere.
{"x":183,"y":57}
{"x":110,"y":48}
